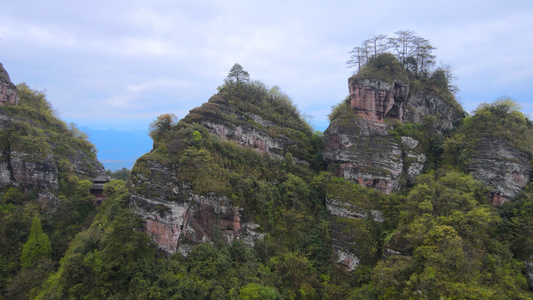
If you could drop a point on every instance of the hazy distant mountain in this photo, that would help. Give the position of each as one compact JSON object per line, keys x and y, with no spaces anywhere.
{"x":118,"y":149}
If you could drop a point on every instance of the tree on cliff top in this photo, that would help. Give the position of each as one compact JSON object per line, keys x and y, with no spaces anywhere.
{"x":413,"y":52}
{"x":237,"y":75}
{"x":161,"y":126}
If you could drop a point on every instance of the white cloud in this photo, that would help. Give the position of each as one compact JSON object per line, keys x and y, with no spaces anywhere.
{"x":139,"y":60}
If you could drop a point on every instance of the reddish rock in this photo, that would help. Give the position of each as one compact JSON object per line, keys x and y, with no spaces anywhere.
{"x":176,"y":226}
{"x":163,"y":234}
{"x":374,"y":99}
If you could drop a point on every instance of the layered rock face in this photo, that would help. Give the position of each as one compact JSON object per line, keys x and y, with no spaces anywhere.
{"x":344,"y":243}
{"x":21,"y":167}
{"x":374,"y":99}
{"x":176,"y":217}
{"x":365,"y":151}
{"x":422,"y":104}
{"x":8,"y":91}
{"x":248,"y":129}
{"x":504,"y":169}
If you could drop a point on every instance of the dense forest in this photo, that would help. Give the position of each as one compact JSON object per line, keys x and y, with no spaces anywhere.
{"x":436,"y":236}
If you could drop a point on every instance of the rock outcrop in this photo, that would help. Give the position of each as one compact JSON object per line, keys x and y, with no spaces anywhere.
{"x":345,"y":244}
{"x":366,"y":152}
{"x":29,"y":158}
{"x":177,"y":219}
{"x":504,"y":169}
{"x":28,"y":170}
{"x":176,"y":215}
{"x":8,"y":91}
{"x":249,"y":129}
{"x":374,"y":99}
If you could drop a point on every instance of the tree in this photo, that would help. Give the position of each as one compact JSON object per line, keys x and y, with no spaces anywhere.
{"x":161,"y":126}
{"x":238,"y":75}
{"x":401,"y":43}
{"x":421,"y":51}
{"x":358,"y":58}
{"x":413,"y":52}
{"x":378,"y":44}
{"x":37,"y":247}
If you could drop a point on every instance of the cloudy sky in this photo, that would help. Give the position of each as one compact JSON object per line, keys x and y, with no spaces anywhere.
{"x":120,"y":64}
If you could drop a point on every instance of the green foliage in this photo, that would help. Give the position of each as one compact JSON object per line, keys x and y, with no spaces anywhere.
{"x":503,"y":119}
{"x":34,"y":130}
{"x":160,"y":127}
{"x":342,"y":109}
{"x":37,"y":247}
{"x":385,"y":67}
{"x":270,"y":103}
{"x":449,"y":249}
{"x":33,"y":99}
{"x":15,"y":226}
{"x":122,"y":174}
{"x":237,"y":75}
{"x":197,"y":136}
{"x":500,"y":119}
{"x":517,"y":225}
{"x":254,"y":291}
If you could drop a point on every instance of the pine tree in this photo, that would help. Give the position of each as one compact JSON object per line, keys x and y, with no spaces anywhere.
{"x":238,"y":75}
{"x":37,"y":247}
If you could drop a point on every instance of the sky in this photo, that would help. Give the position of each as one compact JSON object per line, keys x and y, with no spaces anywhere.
{"x":120,"y":64}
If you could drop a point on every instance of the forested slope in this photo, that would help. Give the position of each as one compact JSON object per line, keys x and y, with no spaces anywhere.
{"x":236,"y":201}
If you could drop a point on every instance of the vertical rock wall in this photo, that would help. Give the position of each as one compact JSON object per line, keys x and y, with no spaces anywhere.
{"x":8,"y":91}
{"x":504,"y":169}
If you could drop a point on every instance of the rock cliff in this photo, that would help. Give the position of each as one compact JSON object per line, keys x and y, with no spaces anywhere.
{"x":192,"y":187}
{"x":377,"y":99}
{"x":177,"y":218}
{"x":35,"y":146}
{"x":366,"y":152}
{"x":246,"y":126}
{"x":8,"y":91}
{"x":504,"y":169}
{"x":360,"y":144}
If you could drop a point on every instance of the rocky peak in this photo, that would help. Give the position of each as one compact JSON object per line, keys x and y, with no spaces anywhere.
{"x":365,"y":151}
{"x":31,"y":155}
{"x":8,"y":91}
{"x":165,"y":186}
{"x":362,"y":148}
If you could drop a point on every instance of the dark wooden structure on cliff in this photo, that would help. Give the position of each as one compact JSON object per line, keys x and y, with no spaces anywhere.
{"x":98,"y":187}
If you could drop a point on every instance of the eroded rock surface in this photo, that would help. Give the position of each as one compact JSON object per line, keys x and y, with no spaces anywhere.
{"x":504,"y":169}
{"x":366,"y":152}
{"x":8,"y":91}
{"x":178,"y":219}
{"x":344,"y":242}
{"x":374,"y":99}
{"x":35,"y":169}
{"x":245,"y":128}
